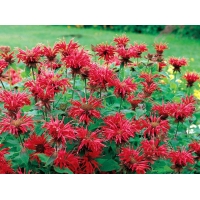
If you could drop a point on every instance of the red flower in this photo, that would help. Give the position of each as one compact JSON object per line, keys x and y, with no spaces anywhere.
{"x":3,"y":66}
{"x":100,"y":77}
{"x":5,"y":166}
{"x":66,"y":49}
{"x":182,"y":110}
{"x":191,"y":78}
{"x":148,"y":89}
{"x":45,"y":95}
{"x":149,"y":78}
{"x":160,"y":47}
{"x":50,"y":53}
{"x":85,"y":109}
{"x":38,"y":144}
{"x":152,"y":150}
{"x":138,"y":49}
{"x":30,"y":57}
{"x":134,"y":161}
{"x":76,"y":61}
{"x":124,"y":88}
{"x":177,"y":63}
{"x":90,"y":140}
{"x":163,"y":110}
{"x":155,"y":126}
{"x":121,"y":41}
{"x":134,"y":101}
{"x":59,"y":131}
{"x":8,"y":57}
{"x":67,"y":160}
{"x":19,"y":125}
{"x":118,"y":128}
{"x":161,"y":65}
{"x":195,"y":147}
{"x":14,"y":101}
{"x":49,"y":78}
{"x":180,"y":159}
{"x":12,"y":76}
{"x":125,"y":55}
{"x":105,"y":51}
{"x":88,"y":164}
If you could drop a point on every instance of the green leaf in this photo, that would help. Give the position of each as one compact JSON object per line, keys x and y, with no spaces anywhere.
{"x":139,"y":113}
{"x":24,"y":157}
{"x":63,"y":171}
{"x":49,"y":161}
{"x":43,"y":157}
{"x":109,"y":165}
{"x":27,"y":71}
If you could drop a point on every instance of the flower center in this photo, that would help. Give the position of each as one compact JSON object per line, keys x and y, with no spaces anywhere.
{"x":154,"y":124}
{"x":40,"y":148}
{"x":17,"y":122}
{"x":86,"y":107}
{"x":132,"y":160}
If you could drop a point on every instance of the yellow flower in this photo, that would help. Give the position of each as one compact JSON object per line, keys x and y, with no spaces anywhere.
{"x":197,"y":94}
{"x":162,"y":82}
{"x":171,"y":77}
{"x":170,"y":69}
{"x":179,"y":81}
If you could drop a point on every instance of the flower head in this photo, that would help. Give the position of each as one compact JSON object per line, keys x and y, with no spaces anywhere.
{"x":180,"y":159}
{"x":134,"y":101}
{"x":85,"y":110}
{"x":14,"y":101}
{"x":13,"y":76}
{"x":152,"y":149}
{"x":191,"y":78}
{"x":67,"y":160}
{"x":118,"y":128}
{"x":195,"y":147}
{"x":124,"y":88}
{"x":38,"y":144}
{"x":88,"y":164}
{"x":183,"y":110}
{"x":177,"y":63}
{"x":121,"y":41}
{"x":66,"y":49}
{"x":77,"y":60}
{"x":160,"y":47}
{"x":100,"y":78}
{"x":19,"y":125}
{"x":3,"y":66}
{"x":133,"y":160}
{"x":105,"y":51}
{"x":162,"y":110}
{"x":89,"y":140}
{"x":30,"y":57}
{"x":59,"y":131}
{"x":154,"y":126}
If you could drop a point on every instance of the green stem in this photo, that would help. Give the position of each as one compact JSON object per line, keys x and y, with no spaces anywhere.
{"x":74,"y":83}
{"x":2,"y":85}
{"x":121,"y":72}
{"x":85,"y":89}
{"x":176,"y":130}
{"x":33,"y":73}
{"x":120,"y":105}
{"x":20,"y":140}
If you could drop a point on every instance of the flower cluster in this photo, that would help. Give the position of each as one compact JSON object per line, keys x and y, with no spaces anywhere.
{"x":115,"y":109}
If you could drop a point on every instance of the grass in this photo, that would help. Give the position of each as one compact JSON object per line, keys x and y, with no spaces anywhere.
{"x":22,"y":36}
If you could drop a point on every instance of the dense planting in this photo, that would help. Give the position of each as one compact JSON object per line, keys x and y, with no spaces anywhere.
{"x":115,"y":109}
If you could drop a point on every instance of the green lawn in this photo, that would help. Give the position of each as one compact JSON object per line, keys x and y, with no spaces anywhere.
{"x":21,"y":36}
